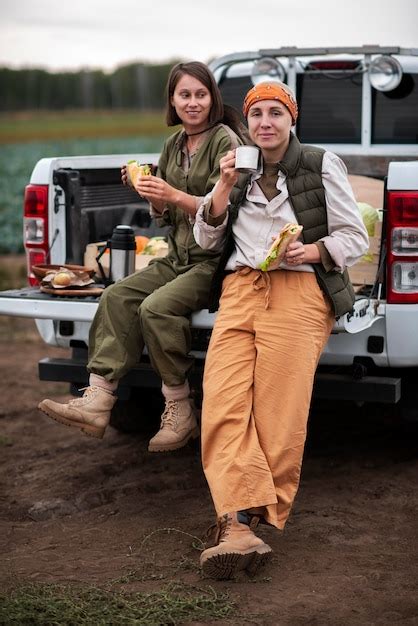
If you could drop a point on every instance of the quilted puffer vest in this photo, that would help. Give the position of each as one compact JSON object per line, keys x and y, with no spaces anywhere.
{"x":302,"y":165}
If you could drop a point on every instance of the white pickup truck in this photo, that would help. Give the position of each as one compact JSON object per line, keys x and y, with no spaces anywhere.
{"x":361,"y":103}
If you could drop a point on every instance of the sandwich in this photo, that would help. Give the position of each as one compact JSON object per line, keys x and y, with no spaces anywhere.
{"x":289,"y":233}
{"x":134,"y":170}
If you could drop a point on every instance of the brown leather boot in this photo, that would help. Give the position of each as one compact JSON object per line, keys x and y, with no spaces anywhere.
{"x":178,"y":425}
{"x":237,"y":548}
{"x":90,"y":413}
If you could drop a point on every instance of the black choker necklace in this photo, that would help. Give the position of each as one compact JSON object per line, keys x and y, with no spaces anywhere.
{"x":200,"y":132}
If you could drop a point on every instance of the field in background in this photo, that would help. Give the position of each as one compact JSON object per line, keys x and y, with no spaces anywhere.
{"x":63,"y":134}
{"x":45,"y":125}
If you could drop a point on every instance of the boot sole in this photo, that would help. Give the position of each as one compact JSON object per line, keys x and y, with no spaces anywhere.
{"x":90,"y":431}
{"x":225,"y":566}
{"x":169,"y":447}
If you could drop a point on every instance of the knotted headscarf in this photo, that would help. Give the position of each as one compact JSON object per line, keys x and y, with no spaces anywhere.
{"x":271,"y":91}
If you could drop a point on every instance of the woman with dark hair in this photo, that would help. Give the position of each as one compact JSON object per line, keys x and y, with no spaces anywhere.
{"x":199,"y":71}
{"x":153,"y":306}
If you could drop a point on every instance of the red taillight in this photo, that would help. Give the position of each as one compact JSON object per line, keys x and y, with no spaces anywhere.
{"x":35,"y":227}
{"x":403,"y":207}
{"x":402,"y":247}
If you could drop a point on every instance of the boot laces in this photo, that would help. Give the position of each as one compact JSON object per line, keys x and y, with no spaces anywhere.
{"x":224,"y":525}
{"x":88,"y":391}
{"x":171,"y":414}
{"x":219,"y":531}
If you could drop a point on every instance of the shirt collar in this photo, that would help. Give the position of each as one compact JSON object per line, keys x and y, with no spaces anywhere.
{"x":254,"y":193}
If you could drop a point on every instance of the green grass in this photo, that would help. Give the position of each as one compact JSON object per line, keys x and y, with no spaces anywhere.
{"x":27,"y":137}
{"x":47,"y":125}
{"x":17,"y":161}
{"x":65,"y":605}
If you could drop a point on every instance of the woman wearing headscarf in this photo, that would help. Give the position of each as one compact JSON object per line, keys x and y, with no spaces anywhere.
{"x":272,"y":325}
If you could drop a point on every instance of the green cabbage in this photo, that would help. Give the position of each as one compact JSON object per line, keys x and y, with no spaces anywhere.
{"x":369,"y":215}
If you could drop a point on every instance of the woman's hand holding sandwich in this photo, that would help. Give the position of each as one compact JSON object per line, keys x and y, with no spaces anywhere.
{"x":298,"y":253}
{"x":159,"y":193}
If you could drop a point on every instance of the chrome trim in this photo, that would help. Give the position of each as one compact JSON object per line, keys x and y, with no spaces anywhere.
{"x":366,"y":108}
{"x":293,"y":51}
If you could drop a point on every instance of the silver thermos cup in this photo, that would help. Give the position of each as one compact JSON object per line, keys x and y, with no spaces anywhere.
{"x":122,"y":252}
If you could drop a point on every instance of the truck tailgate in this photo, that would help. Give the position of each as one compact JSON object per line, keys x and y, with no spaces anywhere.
{"x":31,"y":302}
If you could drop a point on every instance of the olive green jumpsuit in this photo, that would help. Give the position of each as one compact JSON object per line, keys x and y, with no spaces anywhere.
{"x":153,"y":306}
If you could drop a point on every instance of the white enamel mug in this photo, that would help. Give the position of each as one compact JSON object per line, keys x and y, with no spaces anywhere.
{"x":247,"y":159}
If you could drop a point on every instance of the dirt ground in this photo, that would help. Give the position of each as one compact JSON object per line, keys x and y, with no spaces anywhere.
{"x":77,"y":509}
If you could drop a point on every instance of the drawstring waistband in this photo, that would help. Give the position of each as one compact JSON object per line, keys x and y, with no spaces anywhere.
{"x":261,"y":281}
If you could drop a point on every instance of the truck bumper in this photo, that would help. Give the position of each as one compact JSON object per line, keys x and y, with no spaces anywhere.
{"x":383,"y":389}
{"x":327,"y":385}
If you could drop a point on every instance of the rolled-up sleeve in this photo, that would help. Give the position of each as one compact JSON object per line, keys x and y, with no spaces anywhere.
{"x":162,"y":218}
{"x":209,"y":231}
{"x":347,"y":238}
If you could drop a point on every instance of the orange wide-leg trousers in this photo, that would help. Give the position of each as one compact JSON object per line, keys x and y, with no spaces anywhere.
{"x":269,"y":334}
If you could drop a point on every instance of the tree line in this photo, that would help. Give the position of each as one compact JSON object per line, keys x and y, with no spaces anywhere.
{"x":137,"y":85}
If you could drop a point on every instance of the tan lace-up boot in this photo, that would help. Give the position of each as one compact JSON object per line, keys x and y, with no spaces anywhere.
{"x":237,"y":548}
{"x":90,"y":413}
{"x":178,"y":425}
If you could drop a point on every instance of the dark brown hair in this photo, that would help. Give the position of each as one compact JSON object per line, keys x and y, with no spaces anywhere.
{"x":203,"y":74}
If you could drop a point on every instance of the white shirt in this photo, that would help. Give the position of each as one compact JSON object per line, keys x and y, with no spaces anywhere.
{"x":259,"y":221}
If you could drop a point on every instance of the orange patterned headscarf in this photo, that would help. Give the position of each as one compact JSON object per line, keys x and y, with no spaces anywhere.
{"x":271,"y":91}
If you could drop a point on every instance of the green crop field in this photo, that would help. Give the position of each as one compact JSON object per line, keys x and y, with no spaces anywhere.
{"x":46,"y":125}
{"x":60,"y":134}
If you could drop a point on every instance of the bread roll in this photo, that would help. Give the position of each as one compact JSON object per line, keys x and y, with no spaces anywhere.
{"x":62,"y":279}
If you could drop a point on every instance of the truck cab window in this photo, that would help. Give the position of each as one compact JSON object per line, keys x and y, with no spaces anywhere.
{"x":234,"y":89}
{"x":330,"y":108}
{"x":395,"y":113}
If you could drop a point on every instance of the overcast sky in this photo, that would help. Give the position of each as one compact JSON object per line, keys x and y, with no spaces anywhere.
{"x":104,"y":34}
